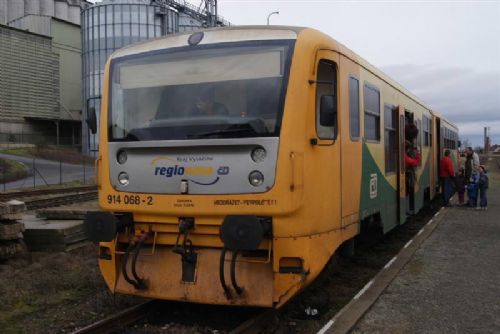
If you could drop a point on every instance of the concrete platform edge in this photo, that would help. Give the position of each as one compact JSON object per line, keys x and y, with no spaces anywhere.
{"x":350,"y":314}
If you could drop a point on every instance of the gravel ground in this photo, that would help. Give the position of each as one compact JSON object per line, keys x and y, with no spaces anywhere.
{"x":58,"y":292}
{"x":344,"y":277}
{"x":451,"y":283}
{"x":55,"y":292}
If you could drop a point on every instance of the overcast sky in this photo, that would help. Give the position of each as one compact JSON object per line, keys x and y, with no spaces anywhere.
{"x":445,"y":52}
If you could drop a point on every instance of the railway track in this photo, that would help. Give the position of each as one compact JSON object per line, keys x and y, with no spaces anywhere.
{"x":4,"y":197}
{"x":42,"y":198}
{"x":60,"y":200}
{"x":118,"y":322}
{"x":255,"y":324}
{"x":335,"y":287}
{"x":121,"y":319}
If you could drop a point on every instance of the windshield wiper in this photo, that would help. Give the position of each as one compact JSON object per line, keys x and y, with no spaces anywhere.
{"x":223,"y":132}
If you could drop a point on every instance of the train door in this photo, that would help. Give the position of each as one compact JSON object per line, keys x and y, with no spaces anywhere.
{"x":410,"y":147}
{"x":327,"y":131}
{"x":401,"y":181}
{"x":351,"y":144}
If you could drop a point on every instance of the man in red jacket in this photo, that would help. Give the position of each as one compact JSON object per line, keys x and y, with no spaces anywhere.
{"x":446,"y":173}
{"x":412,"y":162}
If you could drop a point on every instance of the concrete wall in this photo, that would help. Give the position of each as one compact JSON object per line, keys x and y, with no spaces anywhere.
{"x":3,"y":11}
{"x":33,"y":23}
{"x":67,"y":44}
{"x":67,"y":10}
{"x":29,"y":75}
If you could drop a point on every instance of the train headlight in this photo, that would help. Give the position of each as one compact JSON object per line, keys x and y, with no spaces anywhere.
{"x":256,"y":178}
{"x":123,"y":178}
{"x":121,"y":157}
{"x":259,"y":154}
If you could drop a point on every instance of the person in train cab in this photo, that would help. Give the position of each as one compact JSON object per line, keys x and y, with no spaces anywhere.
{"x":446,"y":173}
{"x":204,"y":105}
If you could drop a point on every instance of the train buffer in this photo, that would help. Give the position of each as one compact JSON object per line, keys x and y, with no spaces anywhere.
{"x":446,"y":280}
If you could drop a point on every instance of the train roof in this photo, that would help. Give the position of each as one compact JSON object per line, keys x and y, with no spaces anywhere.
{"x":228,"y":34}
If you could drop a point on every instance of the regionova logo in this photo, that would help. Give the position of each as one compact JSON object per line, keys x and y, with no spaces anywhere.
{"x":193,"y":168}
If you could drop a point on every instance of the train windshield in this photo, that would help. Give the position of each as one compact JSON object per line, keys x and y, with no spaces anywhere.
{"x":200,"y":92}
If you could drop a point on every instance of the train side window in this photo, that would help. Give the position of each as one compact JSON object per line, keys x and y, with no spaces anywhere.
{"x":419,"y":139}
{"x":430,"y":131}
{"x":354,"y":107}
{"x":372,"y":112}
{"x":401,"y":141}
{"x":326,"y":87}
{"x":426,"y":127}
{"x":390,"y":144}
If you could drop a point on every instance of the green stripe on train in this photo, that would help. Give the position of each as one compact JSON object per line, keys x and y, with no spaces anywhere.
{"x":384,"y":199}
{"x":377,"y":195}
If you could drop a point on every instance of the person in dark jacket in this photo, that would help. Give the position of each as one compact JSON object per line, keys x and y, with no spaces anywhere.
{"x":483,"y":185}
{"x":472,"y":189}
{"x":446,"y":172}
{"x":411,"y":132}
{"x":460,"y":186}
{"x":468,"y":164}
{"x":205,"y":105}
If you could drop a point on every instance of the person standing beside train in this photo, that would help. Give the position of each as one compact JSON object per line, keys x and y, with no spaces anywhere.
{"x":483,"y":184}
{"x":471,"y":162}
{"x":446,"y":173}
{"x":475,"y":161}
{"x":468,"y":164}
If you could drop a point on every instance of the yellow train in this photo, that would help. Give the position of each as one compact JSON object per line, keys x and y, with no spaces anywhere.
{"x":235,"y":162}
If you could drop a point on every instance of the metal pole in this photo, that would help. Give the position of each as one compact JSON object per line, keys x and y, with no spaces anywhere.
{"x":84,"y":171}
{"x":216,"y":13}
{"x":34,"y":173}
{"x":268,"y":16}
{"x":60,"y":171}
{"x":57,"y":133}
{"x":4,"y":173}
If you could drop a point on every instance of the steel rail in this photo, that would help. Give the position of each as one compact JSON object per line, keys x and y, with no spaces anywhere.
{"x":37,"y":192}
{"x":60,"y":200}
{"x":256,"y":324}
{"x":120,"y":319}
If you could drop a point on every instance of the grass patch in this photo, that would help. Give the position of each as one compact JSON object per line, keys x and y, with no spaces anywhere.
{"x":11,"y":170}
{"x":54,"y":153}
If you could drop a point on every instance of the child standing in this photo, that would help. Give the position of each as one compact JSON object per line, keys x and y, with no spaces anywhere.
{"x":472,"y":189}
{"x":483,"y":184}
{"x":460,"y":185}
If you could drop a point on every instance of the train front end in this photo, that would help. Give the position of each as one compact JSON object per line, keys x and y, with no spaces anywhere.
{"x":193,"y":183}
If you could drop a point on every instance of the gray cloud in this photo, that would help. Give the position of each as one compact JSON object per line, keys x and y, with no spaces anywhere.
{"x":469,"y":98}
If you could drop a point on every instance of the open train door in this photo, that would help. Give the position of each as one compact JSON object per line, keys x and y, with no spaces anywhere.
{"x":401,"y":166}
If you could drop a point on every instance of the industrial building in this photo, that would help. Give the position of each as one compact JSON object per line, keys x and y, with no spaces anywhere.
{"x":52,"y":57}
{"x":40,"y":71}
